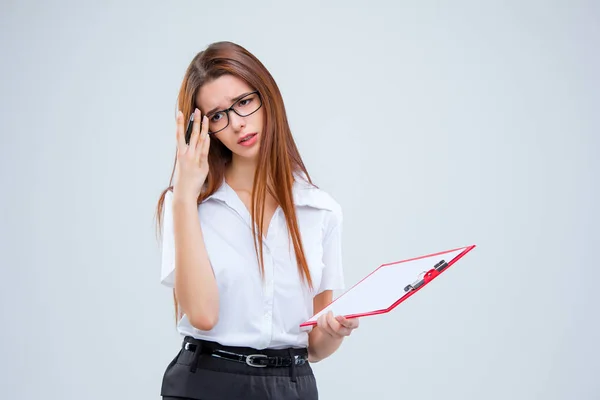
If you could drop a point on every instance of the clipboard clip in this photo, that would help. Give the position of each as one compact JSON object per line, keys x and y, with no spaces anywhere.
{"x":426,"y":276}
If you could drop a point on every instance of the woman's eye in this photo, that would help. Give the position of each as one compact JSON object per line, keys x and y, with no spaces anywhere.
{"x":244,"y":102}
{"x":215,"y":118}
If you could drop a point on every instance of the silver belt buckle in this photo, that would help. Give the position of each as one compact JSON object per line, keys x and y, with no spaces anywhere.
{"x":299,"y":360}
{"x":250,"y":360}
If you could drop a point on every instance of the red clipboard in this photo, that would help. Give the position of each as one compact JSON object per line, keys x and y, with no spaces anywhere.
{"x":389,"y":285}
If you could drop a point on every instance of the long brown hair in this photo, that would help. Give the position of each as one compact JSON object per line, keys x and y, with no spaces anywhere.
{"x":278,"y":158}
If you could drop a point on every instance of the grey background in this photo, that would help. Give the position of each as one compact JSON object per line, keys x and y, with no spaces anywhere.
{"x":434,"y":124}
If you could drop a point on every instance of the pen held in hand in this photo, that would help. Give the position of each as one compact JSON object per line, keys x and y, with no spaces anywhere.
{"x":188,"y":132}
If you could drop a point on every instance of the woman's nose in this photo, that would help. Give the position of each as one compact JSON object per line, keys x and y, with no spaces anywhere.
{"x":237,"y":122}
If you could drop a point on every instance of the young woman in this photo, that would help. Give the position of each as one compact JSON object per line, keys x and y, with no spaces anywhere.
{"x":250,"y":246}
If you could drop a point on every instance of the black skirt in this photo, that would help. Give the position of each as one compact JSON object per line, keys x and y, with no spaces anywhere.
{"x":199,"y":371}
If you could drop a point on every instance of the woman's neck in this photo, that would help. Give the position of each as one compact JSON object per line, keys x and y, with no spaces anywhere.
{"x":240,"y":174}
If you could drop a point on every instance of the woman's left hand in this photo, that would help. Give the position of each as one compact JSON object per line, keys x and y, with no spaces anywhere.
{"x":337,"y":326}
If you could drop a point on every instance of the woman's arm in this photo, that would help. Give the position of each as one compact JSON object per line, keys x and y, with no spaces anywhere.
{"x":327,"y":336}
{"x":195,"y":283}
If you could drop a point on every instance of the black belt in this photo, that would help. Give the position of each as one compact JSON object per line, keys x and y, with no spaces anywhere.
{"x":258,"y":360}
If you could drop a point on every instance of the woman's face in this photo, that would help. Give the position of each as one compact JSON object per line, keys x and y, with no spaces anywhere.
{"x":230,"y":91}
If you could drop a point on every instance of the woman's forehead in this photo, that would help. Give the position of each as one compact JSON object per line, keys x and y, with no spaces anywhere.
{"x":221,"y":92}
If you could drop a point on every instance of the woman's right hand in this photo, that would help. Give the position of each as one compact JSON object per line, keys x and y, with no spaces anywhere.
{"x":191,"y":167}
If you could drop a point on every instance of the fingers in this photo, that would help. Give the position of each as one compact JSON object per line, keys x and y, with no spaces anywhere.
{"x":204,"y":126}
{"x":179,"y":131}
{"x":205,"y":141}
{"x":333,"y":327}
{"x":351,"y":323}
{"x":324,"y":325}
{"x":188,"y":130}
{"x":337,"y":328}
{"x":195,"y":129}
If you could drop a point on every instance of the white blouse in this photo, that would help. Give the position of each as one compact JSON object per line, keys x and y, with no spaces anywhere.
{"x":254,"y":312}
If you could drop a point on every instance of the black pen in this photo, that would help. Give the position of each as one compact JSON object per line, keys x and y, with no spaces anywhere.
{"x":188,"y":133}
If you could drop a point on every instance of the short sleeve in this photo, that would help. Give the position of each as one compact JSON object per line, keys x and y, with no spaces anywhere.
{"x":333,"y":273}
{"x":167,"y":270}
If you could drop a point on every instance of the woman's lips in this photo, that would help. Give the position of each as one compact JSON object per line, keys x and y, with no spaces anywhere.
{"x":248,"y":140}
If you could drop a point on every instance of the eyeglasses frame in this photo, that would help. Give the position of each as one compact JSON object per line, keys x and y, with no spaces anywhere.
{"x":226,"y":111}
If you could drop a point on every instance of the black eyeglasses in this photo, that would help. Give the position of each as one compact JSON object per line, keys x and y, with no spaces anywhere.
{"x":244,"y":106}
